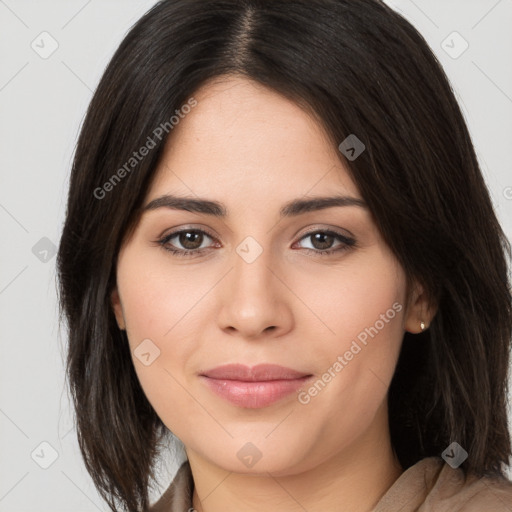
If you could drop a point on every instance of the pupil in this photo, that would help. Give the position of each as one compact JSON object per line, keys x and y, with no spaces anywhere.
{"x":187,"y":239}
{"x":325,"y":243}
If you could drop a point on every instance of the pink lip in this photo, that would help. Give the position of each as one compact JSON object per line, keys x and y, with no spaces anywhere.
{"x":254,"y":387}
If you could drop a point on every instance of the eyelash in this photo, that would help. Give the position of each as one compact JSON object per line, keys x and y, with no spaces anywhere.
{"x":187,"y":253}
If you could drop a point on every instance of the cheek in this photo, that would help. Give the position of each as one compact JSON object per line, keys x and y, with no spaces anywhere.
{"x":363,"y":310}
{"x":158,"y":300}
{"x":350,"y":301}
{"x":160,"y":339}
{"x":163,"y":308}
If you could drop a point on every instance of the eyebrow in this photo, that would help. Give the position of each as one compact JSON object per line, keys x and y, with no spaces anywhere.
{"x":214,"y":208}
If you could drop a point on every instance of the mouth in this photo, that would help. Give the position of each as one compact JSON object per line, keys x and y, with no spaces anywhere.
{"x":256,"y":387}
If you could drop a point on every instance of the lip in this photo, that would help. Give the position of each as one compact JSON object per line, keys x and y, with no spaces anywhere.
{"x":256,"y":387}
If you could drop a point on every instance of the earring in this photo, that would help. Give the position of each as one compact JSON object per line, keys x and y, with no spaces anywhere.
{"x":422,"y":325}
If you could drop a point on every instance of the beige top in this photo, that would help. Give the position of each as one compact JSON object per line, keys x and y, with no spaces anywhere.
{"x":428,"y":486}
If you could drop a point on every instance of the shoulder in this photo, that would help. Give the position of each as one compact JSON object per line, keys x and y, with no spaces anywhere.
{"x":487,"y":494}
{"x":452,"y":490}
{"x":432,"y":485}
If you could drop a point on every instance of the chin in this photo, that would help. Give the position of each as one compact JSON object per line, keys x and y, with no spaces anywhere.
{"x":260,"y":457}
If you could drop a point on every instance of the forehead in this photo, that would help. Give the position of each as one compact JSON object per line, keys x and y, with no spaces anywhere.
{"x":243,"y":136}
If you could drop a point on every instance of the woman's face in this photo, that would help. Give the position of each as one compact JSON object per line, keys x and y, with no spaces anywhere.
{"x":256,"y":289}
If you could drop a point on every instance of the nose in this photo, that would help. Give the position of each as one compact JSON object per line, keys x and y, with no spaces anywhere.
{"x":254,"y":299}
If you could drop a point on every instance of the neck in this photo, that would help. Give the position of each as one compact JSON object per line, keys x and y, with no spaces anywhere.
{"x":354,"y":479}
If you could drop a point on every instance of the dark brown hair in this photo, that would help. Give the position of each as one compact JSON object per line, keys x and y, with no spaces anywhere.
{"x":359,"y":68}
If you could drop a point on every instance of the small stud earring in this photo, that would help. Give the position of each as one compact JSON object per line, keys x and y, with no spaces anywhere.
{"x":422,"y":325}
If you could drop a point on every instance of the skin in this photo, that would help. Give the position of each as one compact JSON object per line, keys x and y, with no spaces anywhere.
{"x":253,"y":150}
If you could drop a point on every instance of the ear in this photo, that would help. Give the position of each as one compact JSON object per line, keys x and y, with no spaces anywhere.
{"x":118,"y":310}
{"x":419,"y":310}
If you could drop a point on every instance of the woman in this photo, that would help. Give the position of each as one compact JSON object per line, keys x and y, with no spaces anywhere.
{"x":279,"y":248}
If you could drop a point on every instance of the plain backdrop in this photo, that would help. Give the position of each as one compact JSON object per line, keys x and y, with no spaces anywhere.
{"x":43,"y":99}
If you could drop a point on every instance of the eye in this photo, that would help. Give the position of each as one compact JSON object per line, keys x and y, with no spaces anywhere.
{"x":323,"y":240}
{"x":192,"y":242}
{"x":190,"y":239}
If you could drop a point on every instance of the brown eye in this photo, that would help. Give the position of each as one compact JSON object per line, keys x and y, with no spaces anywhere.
{"x":190,"y":239}
{"x":186,"y":242}
{"x":323,"y":242}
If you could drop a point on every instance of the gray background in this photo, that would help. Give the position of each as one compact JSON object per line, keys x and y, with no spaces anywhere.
{"x":42,"y":104}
